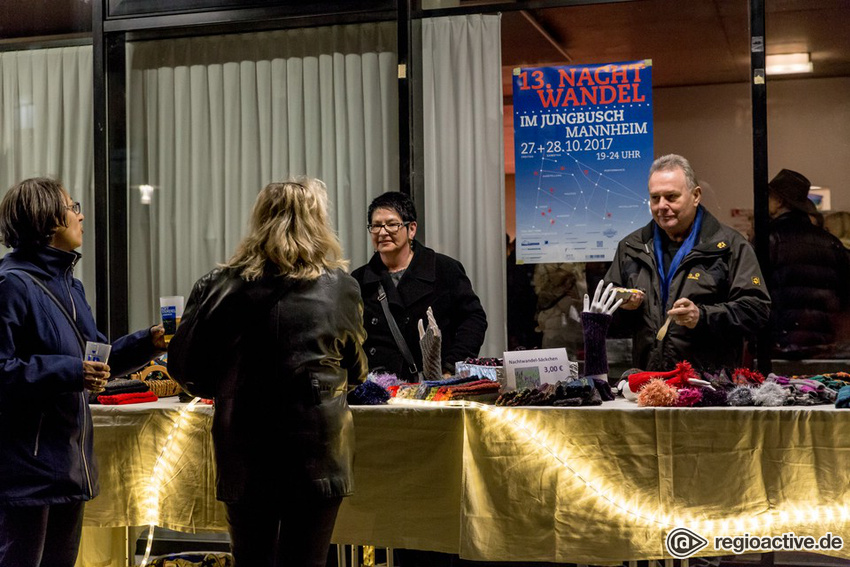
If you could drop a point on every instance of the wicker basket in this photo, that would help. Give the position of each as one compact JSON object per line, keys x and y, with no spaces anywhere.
{"x":163,"y":387}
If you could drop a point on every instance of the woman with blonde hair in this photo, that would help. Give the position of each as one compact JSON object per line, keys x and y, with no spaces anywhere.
{"x":275,"y":336}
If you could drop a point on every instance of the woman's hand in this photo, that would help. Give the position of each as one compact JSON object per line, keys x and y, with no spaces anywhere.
{"x":95,"y":375}
{"x":158,"y":337}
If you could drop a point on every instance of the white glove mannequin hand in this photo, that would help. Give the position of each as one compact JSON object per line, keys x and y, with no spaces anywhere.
{"x":603,"y":301}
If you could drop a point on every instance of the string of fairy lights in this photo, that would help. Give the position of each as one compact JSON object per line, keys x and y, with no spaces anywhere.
{"x":617,"y":502}
{"x":163,"y":471}
{"x":524,"y":428}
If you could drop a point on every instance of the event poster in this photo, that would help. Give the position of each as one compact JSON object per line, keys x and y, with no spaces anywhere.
{"x":583,"y":148}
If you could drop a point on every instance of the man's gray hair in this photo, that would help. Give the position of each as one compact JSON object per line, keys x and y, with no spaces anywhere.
{"x":673,"y":162}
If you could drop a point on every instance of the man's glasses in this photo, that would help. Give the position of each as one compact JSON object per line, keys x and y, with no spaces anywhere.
{"x":75,"y":206}
{"x":390,"y":227}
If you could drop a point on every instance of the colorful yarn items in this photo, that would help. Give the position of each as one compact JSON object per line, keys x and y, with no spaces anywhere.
{"x":689,"y":397}
{"x":744,"y":376}
{"x":383,"y":379}
{"x":741,"y":396}
{"x":368,"y":394}
{"x":712,"y":398}
{"x":579,"y":392}
{"x":472,"y":389}
{"x":485,"y":361}
{"x":678,"y":377}
{"x":657,"y":393}
{"x":770,"y":394}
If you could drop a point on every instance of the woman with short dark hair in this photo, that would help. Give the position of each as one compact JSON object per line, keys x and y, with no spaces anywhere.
{"x":47,"y":469}
{"x":413,"y":278}
{"x":277,"y":333}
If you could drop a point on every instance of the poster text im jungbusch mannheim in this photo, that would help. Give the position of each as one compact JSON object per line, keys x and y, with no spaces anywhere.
{"x":583,"y":147}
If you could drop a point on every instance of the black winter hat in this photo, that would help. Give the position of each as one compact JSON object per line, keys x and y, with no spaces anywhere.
{"x":793,"y":188}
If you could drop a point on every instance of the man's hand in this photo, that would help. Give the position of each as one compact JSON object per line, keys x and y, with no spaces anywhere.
{"x":95,"y":375}
{"x":603,"y":301}
{"x":685,"y":312}
{"x":634,"y":301}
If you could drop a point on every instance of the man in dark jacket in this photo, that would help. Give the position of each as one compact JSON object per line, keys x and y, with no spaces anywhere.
{"x":693,"y":273}
{"x":808,"y":273}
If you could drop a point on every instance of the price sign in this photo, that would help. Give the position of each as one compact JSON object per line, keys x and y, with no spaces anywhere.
{"x":531,"y":368}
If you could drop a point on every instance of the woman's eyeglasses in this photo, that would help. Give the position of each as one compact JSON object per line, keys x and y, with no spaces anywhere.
{"x":75,"y":206}
{"x":390,"y":227}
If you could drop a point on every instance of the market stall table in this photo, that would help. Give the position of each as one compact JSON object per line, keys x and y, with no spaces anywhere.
{"x":589,"y":485}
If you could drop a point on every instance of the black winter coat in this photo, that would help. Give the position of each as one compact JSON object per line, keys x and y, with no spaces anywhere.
{"x":45,"y":423}
{"x":809,"y":281}
{"x":286,"y":352}
{"x":720,"y":274}
{"x":431,"y":280}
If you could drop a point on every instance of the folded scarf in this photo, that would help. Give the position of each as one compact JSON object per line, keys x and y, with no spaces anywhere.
{"x":131,"y":398}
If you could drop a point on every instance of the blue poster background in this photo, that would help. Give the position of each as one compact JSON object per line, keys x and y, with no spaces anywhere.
{"x":583,"y":148}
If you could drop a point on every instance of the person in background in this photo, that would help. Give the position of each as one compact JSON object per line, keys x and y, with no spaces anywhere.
{"x":414,"y":277}
{"x":699,"y":277}
{"x":560,"y":288}
{"x":283,"y":323}
{"x":523,"y":303}
{"x":47,"y":468}
{"x":808,"y":274}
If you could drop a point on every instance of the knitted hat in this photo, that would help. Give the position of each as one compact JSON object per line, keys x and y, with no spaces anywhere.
{"x":367,"y":394}
{"x":677,"y":377}
{"x":792,"y":187}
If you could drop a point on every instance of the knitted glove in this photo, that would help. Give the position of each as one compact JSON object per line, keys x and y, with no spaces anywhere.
{"x":595,"y":327}
{"x":431,"y":343}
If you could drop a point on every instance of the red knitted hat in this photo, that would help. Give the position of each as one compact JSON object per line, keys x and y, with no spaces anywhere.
{"x":677,"y":377}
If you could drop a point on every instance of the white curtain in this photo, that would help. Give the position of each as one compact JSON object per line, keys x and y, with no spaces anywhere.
{"x":46,"y":129}
{"x":464,"y":156}
{"x":212,"y":120}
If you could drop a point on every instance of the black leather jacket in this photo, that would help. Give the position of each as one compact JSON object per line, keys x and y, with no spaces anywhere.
{"x":720,"y":274}
{"x":281,"y":424}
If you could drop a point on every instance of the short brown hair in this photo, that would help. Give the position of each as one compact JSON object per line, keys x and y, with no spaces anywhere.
{"x":31,"y":211}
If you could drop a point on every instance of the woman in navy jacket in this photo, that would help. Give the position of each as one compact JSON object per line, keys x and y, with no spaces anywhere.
{"x":47,"y":469}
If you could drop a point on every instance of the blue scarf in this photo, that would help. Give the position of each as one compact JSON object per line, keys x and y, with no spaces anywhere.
{"x":687,"y":246}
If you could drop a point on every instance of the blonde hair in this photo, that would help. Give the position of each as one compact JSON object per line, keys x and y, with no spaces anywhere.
{"x":290,"y":230}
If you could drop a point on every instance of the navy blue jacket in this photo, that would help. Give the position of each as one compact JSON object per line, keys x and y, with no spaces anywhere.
{"x":45,"y":423}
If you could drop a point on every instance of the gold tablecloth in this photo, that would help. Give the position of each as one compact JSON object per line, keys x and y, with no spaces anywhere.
{"x":587,"y":485}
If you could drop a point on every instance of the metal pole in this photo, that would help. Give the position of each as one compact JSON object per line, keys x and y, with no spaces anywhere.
{"x":761,"y":216}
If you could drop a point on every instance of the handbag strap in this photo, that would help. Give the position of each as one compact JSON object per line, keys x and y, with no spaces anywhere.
{"x":399,"y":339}
{"x":58,"y":303}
